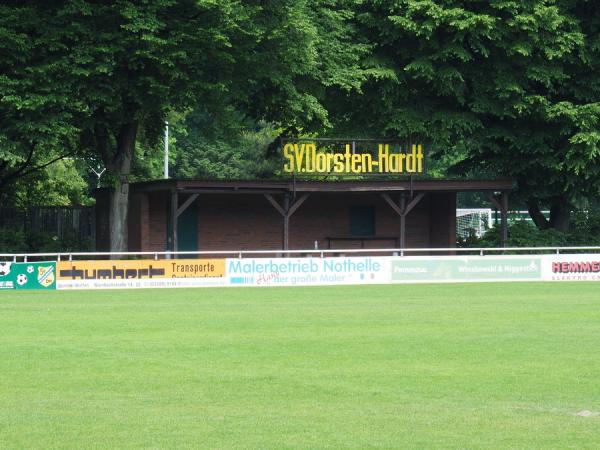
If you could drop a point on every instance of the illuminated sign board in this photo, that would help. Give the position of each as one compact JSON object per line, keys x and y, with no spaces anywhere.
{"x":337,"y":157}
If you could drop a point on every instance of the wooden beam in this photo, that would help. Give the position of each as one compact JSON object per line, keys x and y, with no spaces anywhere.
{"x":403,"y":223}
{"x":286,"y":222}
{"x":501,"y":204}
{"x":494,"y":201}
{"x":504,"y":219}
{"x":174,"y":204}
{"x":414,"y":202}
{"x":392,"y":203}
{"x":403,"y":210}
{"x":186,"y":204}
{"x":275,"y":204}
{"x":297,"y":204}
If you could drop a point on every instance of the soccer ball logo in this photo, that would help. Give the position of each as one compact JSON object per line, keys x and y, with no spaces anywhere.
{"x":21,"y":279}
{"x":29,"y":269}
{"x":4,"y":268}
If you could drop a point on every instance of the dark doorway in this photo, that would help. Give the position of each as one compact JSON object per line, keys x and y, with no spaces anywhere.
{"x":187,"y":229}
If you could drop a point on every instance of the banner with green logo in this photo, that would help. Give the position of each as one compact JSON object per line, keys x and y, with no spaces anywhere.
{"x":37,"y":275}
{"x":472,"y":268}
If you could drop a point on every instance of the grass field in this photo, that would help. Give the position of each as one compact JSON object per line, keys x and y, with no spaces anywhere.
{"x":405,"y":366}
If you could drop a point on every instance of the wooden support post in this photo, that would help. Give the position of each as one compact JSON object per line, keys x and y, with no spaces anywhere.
{"x":93,"y":230}
{"x":504,"y":219}
{"x":174,"y":206}
{"x":286,"y":212}
{"x":501,"y":204}
{"x":286,"y":222}
{"x":403,"y":222}
{"x":402,"y":210}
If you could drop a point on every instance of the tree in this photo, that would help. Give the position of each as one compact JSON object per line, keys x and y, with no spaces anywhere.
{"x":498,"y":88}
{"x":127,"y":65}
{"x":38,"y":124}
{"x":223,"y":144}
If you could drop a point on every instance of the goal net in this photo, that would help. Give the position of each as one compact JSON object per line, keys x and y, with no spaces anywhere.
{"x":472,"y":222}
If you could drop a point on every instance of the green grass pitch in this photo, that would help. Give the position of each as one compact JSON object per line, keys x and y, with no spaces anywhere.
{"x":513,"y":365}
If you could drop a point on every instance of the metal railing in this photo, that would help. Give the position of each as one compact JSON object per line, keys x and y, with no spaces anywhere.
{"x":482,"y":251}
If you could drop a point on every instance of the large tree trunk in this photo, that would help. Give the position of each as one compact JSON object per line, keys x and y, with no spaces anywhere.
{"x":537,"y":216}
{"x":119,"y":205}
{"x":560,"y":214}
{"x":118,"y":164}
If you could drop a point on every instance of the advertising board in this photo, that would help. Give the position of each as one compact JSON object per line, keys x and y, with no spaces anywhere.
{"x":466,"y":268}
{"x":574,"y":267}
{"x":141,"y":273}
{"x":35,"y":275}
{"x":146,"y":273}
{"x":307,"y":271}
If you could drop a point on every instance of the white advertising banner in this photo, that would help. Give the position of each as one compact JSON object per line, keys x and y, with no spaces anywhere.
{"x":452,"y":269}
{"x":307,"y":271}
{"x":324,"y":271}
{"x":573,"y":267}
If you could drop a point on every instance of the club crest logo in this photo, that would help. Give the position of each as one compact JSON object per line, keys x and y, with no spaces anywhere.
{"x":45,"y":275}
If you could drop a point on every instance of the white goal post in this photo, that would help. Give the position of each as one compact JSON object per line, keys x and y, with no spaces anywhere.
{"x":472,"y":221}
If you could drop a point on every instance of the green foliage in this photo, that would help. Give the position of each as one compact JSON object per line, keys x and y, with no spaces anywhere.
{"x":47,"y":242}
{"x":222,"y":144}
{"x":497,"y":88}
{"x":38,"y":107}
{"x":13,"y":240}
{"x":16,"y":240}
{"x":60,"y":184}
{"x":585,"y":231}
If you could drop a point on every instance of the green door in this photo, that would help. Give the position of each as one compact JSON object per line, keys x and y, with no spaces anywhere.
{"x":187,"y":229}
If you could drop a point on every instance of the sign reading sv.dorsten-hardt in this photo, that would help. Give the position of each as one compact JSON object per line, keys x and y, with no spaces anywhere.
{"x":307,"y":271}
{"x":306,"y":158}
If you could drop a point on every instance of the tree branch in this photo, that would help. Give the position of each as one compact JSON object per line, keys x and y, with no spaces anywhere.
{"x":536,"y":215}
{"x":23,"y":171}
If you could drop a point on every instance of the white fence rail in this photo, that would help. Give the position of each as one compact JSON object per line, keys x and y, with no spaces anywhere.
{"x":482,"y":251}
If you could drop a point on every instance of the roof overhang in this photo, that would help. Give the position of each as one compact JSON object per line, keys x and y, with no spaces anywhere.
{"x":365,"y":186}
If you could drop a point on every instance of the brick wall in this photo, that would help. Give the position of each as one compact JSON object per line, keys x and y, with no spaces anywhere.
{"x":154,"y":227}
{"x":249,"y":222}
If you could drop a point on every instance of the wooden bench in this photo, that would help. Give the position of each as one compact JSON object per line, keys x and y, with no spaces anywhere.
{"x":361,"y":239}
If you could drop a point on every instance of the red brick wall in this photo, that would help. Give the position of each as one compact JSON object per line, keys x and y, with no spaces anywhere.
{"x":249,"y":222}
{"x":443,"y":220}
{"x":238,"y":222}
{"x":155,"y":225}
{"x":327,"y":215}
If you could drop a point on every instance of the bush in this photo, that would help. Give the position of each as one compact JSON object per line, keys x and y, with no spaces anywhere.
{"x":17,"y":241}
{"x":13,"y":240}
{"x":585,"y":231}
